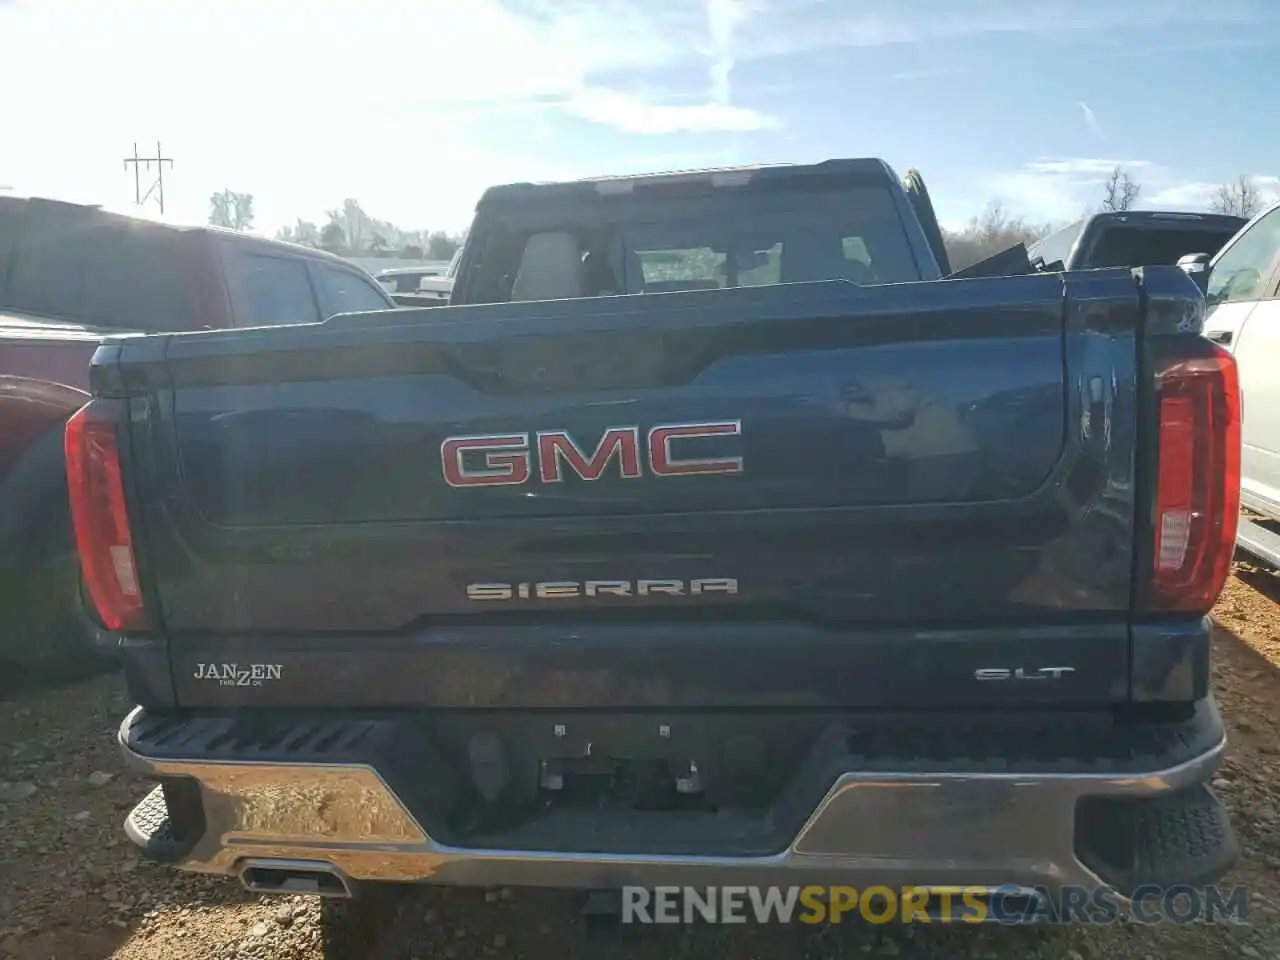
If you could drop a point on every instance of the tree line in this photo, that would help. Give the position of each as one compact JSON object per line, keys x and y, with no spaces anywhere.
{"x":348,"y":230}
{"x":1240,"y":198}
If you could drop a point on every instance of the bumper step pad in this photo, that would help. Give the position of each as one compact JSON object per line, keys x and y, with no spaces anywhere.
{"x":1181,"y":837}
{"x":149,"y":827}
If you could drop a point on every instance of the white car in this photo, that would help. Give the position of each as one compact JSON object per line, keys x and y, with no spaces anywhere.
{"x":1242,"y":288}
{"x":416,"y":287}
{"x":441,"y":285}
{"x":406,"y":279}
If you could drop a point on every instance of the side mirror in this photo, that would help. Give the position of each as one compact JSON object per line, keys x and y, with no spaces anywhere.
{"x":1196,"y":266}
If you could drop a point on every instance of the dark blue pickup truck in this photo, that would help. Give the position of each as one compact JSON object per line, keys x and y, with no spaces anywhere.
{"x":709,"y":537}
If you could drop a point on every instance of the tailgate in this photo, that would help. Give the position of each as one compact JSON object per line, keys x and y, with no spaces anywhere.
{"x":800,"y":496}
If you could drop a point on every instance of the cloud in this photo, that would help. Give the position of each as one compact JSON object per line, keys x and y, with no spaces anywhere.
{"x":1064,"y":188}
{"x":1193,"y":195}
{"x":783,"y":27}
{"x":1090,"y":119}
{"x":303,"y":104}
{"x":1089,"y":168}
{"x":312,"y":102}
{"x":638,"y":116}
{"x":723,"y":19}
{"x":953,"y":225}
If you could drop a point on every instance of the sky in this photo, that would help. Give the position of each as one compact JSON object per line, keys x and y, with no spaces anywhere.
{"x":413,"y":108}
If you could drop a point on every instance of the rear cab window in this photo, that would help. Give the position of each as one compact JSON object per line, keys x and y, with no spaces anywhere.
{"x":277,"y":289}
{"x":1148,"y":246}
{"x":345,"y":291}
{"x":723,"y":237}
{"x":96,"y":269}
{"x":47,"y":264}
{"x":777,"y":241}
{"x":135,"y":277}
{"x":268,"y":290}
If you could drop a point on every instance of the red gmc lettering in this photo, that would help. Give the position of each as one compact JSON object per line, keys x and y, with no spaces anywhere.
{"x":664,"y":464}
{"x":497,"y":460}
{"x":505,"y":459}
{"x":620,"y":442}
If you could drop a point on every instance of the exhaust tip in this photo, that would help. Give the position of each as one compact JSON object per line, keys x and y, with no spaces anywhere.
{"x":314,"y":878}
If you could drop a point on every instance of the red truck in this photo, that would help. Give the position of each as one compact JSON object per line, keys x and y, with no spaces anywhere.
{"x":70,"y":275}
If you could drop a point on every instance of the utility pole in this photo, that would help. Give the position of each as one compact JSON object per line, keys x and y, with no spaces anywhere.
{"x":139,"y":198}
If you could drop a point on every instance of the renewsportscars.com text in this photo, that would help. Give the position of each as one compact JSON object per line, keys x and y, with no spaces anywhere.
{"x":879,"y":904}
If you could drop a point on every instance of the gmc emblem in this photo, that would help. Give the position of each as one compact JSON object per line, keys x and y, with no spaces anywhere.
{"x":510,"y":459}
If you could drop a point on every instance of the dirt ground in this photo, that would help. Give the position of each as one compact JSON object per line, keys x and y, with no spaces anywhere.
{"x":72,"y":887}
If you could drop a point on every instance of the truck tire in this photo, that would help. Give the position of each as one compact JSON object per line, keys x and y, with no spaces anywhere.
{"x":69,"y":645}
{"x":918,"y":194}
{"x":46,"y":628}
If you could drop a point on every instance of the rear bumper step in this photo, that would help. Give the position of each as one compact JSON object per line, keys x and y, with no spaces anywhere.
{"x":902,"y":802}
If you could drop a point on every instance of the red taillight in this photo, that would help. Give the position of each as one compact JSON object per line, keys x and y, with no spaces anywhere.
{"x":101,"y":520}
{"x":1197,"y":500}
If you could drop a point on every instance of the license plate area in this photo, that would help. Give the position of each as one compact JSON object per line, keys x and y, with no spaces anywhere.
{"x":533,"y":764}
{"x":646,"y":784}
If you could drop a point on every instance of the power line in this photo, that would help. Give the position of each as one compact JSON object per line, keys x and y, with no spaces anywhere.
{"x":139,"y":198}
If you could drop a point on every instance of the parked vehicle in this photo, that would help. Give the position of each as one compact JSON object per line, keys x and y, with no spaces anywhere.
{"x":441,"y":286}
{"x":70,"y":275}
{"x":430,"y":290}
{"x":406,"y":279}
{"x":1133,"y":238}
{"x":894,"y":581}
{"x":1242,"y":288}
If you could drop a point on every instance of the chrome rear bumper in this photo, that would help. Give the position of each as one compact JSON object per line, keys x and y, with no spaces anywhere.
{"x":979,"y":828}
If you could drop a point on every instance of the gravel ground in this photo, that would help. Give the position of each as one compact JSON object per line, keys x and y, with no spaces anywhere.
{"x":71,"y":886}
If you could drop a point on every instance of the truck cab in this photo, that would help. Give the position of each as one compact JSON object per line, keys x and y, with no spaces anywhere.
{"x":700,"y":230}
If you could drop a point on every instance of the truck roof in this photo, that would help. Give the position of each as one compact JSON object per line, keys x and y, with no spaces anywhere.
{"x":1185,"y":216}
{"x":727,"y":176}
{"x":1149,"y":218}
{"x":430,"y":269}
{"x":256,"y":241}
{"x":97,"y":212}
